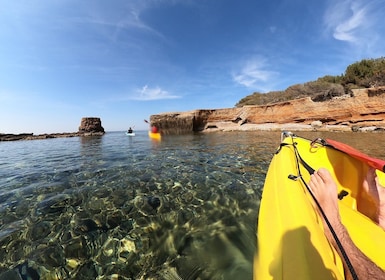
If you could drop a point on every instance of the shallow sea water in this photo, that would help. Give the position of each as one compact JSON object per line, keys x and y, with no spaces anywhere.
{"x":119,"y":207}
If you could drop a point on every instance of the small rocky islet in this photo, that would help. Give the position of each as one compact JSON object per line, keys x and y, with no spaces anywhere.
{"x":89,"y":126}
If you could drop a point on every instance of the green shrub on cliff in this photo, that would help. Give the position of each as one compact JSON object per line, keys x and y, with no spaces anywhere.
{"x":366,"y":73}
{"x":318,"y":90}
{"x":363,"y":74}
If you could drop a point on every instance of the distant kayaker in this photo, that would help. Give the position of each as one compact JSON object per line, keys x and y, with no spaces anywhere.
{"x":325,"y":191}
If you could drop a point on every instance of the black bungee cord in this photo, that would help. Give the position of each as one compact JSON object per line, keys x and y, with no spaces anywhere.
{"x":311,"y":171}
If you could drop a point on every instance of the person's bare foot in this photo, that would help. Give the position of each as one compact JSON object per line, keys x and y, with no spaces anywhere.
{"x":377,"y":194}
{"x":325,"y":191}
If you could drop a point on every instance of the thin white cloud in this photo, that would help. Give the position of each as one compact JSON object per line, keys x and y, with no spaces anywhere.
{"x":128,"y":15}
{"x":156,"y":93}
{"x":348,"y":20}
{"x":253,"y":74}
{"x":129,"y":20}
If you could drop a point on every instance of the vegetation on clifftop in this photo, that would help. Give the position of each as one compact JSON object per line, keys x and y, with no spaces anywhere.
{"x":363,"y":74}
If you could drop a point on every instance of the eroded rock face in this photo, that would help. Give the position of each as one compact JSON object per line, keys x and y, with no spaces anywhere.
{"x":91,"y":125}
{"x":181,"y":122}
{"x":363,"y":109}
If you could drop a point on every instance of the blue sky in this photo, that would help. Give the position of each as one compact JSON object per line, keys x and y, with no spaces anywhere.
{"x":124,"y":60}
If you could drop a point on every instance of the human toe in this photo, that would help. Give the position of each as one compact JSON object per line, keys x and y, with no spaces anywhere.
{"x":325,"y":175}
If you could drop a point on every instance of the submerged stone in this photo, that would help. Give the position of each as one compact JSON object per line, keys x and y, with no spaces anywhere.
{"x":154,"y":202}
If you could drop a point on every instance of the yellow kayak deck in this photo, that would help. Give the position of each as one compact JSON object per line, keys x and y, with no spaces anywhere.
{"x":291,"y":240}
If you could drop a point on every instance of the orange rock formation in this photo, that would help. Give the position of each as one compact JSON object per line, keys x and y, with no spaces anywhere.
{"x":363,"y":110}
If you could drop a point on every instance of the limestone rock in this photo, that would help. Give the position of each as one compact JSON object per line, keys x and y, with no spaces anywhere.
{"x":355,"y":112}
{"x":316,"y":124}
{"x":91,"y":125}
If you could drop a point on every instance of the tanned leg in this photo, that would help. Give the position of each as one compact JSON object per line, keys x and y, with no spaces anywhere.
{"x":325,"y":191}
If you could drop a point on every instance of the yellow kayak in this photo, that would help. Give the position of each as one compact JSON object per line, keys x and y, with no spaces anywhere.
{"x":291,"y":240}
{"x":154,"y":135}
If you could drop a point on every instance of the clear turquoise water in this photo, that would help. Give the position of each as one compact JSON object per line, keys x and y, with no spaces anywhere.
{"x":119,"y":207}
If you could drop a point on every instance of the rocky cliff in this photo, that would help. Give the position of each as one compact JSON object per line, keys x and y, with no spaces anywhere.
{"x":363,"y":110}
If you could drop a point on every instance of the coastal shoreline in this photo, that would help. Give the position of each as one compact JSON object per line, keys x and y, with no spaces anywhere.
{"x":226,"y":126}
{"x":219,"y":127}
{"x":31,"y":136}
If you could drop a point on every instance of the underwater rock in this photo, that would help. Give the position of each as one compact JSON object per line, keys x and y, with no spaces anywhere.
{"x":10,"y":275}
{"x":54,"y":204}
{"x":39,"y":230}
{"x":76,"y":249}
{"x":147,"y":205}
{"x":85,"y":225}
{"x":114,"y":219}
{"x":87,"y":271}
{"x":51,"y":257}
{"x":154,"y":202}
{"x":21,"y":272}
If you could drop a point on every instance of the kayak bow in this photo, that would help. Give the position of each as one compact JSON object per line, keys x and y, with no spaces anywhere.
{"x":291,"y":240}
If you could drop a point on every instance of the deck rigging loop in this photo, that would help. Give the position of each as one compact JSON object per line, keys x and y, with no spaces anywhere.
{"x":293,"y":177}
{"x":318,"y":141}
{"x":280,"y":147}
{"x":299,"y":160}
